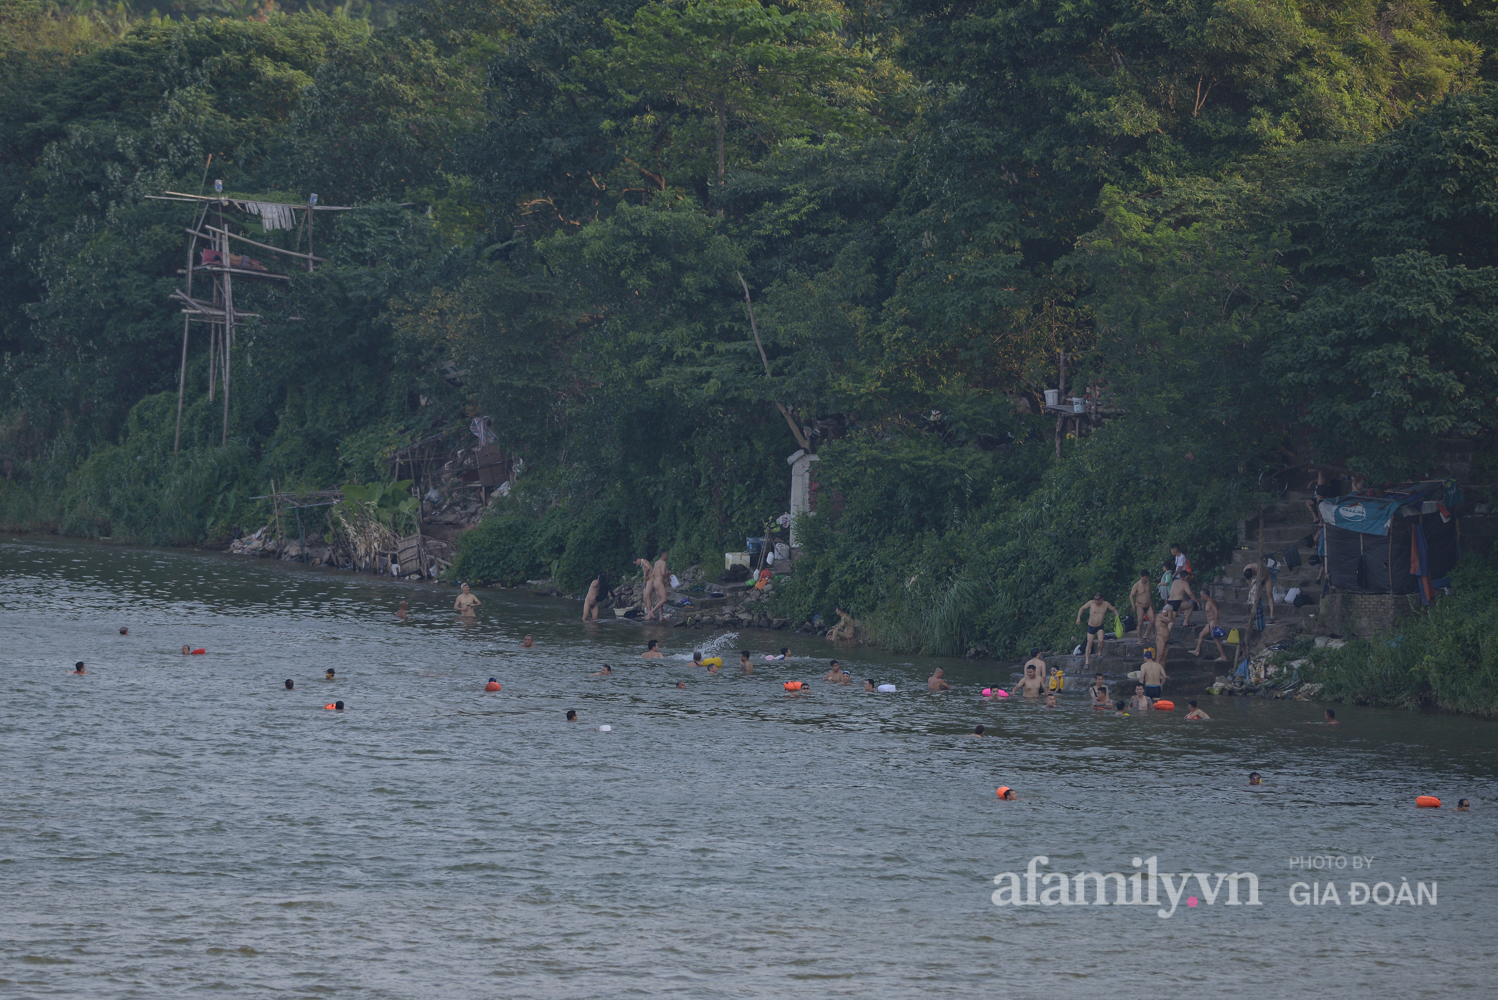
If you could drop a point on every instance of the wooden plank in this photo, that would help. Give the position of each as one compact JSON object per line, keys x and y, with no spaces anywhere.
{"x":263,"y":246}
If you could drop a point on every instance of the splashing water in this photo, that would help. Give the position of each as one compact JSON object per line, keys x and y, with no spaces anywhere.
{"x":713,"y":647}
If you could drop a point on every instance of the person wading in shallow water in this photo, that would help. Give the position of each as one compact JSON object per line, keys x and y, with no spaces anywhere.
{"x":466,"y":602}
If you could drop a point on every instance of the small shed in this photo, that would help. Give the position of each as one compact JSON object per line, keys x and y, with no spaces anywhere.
{"x":1402,"y":540}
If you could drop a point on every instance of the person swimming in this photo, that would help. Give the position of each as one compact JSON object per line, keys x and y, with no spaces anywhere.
{"x":681,"y":685}
{"x":289,"y":685}
{"x":571,"y":715}
{"x":400,"y":612}
{"x":338,"y":706}
{"x":79,"y":668}
{"x":1050,"y":700}
{"x":977,"y":731}
{"x":1195,"y":712}
{"x":834,"y":673}
{"x":746,"y":665}
{"x":1118,"y":708}
{"x":328,"y":675}
{"x":784,"y":652}
{"x":868,"y":683}
{"x":697,"y":658}
{"x":602,"y":673}
{"x":527,"y":644}
{"x":1331,"y":718}
{"x":186,"y":650}
{"x":124,"y":630}
{"x":1462,"y":805}
{"x":1254,"y":780}
{"x":651,"y":652}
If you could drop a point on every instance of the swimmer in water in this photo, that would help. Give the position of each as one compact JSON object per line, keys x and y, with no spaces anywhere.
{"x":124,"y":630}
{"x":1140,"y":701}
{"x":937,"y":681}
{"x":697,"y":658}
{"x":289,"y":685}
{"x":681,"y":685}
{"x":602,"y":673}
{"x":466,"y":602}
{"x":1254,"y":780}
{"x":784,"y":652}
{"x":1050,"y":701}
{"x":1008,"y":795}
{"x":1118,"y":708}
{"x":329,"y":675}
{"x":868,"y":684}
{"x":1462,"y":805}
{"x":977,"y":731}
{"x":186,"y":650}
{"x":571,"y":715}
{"x":1031,"y":684}
{"x":400,"y":612}
{"x":746,"y":665}
{"x":1331,"y":718}
{"x":527,"y":644}
{"x":1099,"y":691}
{"x":651,"y":653}
{"x":1195,"y":712}
{"x":337,"y":706}
{"x":846,"y":678}
{"x":78,"y":668}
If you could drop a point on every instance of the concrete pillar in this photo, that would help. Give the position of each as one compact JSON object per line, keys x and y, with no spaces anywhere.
{"x":800,"y":464}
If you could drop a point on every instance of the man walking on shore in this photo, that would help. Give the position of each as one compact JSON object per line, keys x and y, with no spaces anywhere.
{"x":1097,"y":610}
{"x":1212,"y":628}
{"x":1142,"y":602}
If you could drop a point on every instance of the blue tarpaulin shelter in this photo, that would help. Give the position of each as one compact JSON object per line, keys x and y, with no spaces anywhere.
{"x":1402,"y":540}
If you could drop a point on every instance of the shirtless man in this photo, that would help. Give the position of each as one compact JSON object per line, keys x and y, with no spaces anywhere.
{"x":1096,"y":609}
{"x":651,"y":652}
{"x":1196,"y":713}
{"x":466,"y":602}
{"x":1164,"y":622}
{"x":662,"y":587}
{"x":1139,"y":702}
{"x":746,"y":665}
{"x":936,"y":682}
{"x":834,"y":674}
{"x":845,"y":627}
{"x":401,"y":611}
{"x":1180,"y":593}
{"x":1153,"y":675}
{"x":1032,"y":684}
{"x":647,"y":572}
{"x":528,"y":643}
{"x":1209,"y":605}
{"x":1142,"y":601}
{"x":597,"y":591}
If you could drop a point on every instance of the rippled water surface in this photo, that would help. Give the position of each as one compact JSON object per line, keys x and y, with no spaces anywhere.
{"x":183,"y":826}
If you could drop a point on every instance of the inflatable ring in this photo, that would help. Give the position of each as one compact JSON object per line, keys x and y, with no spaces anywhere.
{"x":1164,"y":705}
{"x":712,"y":661}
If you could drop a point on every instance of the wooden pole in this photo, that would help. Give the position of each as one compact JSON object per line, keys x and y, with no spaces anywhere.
{"x":1060,"y":420}
{"x":181,"y":381}
{"x":310,"y":213}
{"x":228,"y":343}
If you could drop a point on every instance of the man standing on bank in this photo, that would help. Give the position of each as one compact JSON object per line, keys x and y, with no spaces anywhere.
{"x":1097,"y":610}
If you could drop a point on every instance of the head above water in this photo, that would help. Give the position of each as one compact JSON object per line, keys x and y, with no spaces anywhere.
{"x":682,"y":685}
{"x":290,"y":685}
{"x":1330,"y":715}
{"x":329,"y":673}
{"x":338,"y":706}
{"x":785,"y":651}
{"x":977,"y":730}
{"x":186,"y":650}
{"x":697,"y":656}
{"x":78,"y":667}
{"x":607,"y":669}
{"x":1254,"y":779}
{"x":868,"y":683}
{"x":1118,"y":706}
{"x":124,"y":630}
{"x":1462,"y":805}
{"x":571,"y":715}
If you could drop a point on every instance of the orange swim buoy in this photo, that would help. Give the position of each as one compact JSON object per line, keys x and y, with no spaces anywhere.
{"x":492,"y":686}
{"x":1164,"y":705}
{"x":1005,"y":792}
{"x":1427,"y":802}
{"x":794,"y":685}
{"x":199,"y":652}
{"x":330,"y":706}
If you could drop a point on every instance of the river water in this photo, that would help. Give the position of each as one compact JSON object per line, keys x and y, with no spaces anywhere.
{"x":183,"y":826}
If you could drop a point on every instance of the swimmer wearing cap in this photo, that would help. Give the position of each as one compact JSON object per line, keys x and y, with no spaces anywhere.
{"x":78,"y":668}
{"x":651,"y":652}
{"x":602,"y":673}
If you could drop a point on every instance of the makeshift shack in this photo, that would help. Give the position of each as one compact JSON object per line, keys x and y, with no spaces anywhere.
{"x":1402,"y":540}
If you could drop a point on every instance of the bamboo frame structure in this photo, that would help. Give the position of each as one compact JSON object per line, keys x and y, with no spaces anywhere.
{"x":219,"y":310}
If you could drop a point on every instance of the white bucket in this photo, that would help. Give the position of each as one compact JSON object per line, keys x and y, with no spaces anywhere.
{"x":732,"y":559}
{"x":1078,"y":404}
{"x":1053,"y":397}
